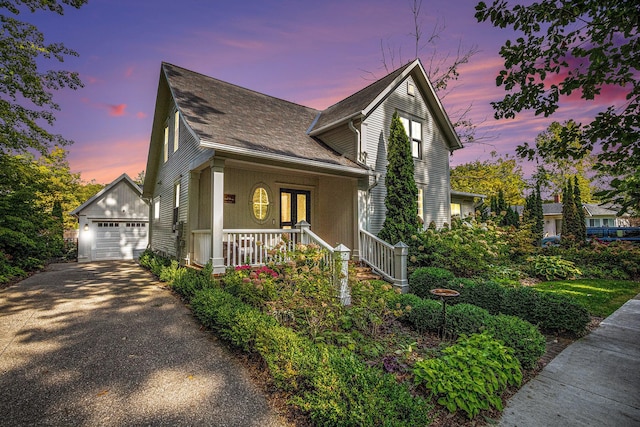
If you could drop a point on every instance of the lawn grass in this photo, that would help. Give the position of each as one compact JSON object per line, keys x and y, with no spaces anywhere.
{"x":600,"y":296}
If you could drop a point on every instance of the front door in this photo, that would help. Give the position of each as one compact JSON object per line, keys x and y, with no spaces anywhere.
{"x":295,"y":206}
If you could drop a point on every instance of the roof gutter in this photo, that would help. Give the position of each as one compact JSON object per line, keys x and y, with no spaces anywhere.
{"x":335,"y":123}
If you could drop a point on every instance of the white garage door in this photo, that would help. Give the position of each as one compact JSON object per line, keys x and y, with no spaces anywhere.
{"x":119,"y":240}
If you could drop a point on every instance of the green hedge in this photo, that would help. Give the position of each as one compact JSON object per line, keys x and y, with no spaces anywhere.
{"x":426,"y":315}
{"x":331,"y":384}
{"x":423,"y":279}
{"x":551,"y":312}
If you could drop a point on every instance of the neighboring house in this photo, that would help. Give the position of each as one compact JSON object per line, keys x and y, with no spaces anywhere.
{"x":463,"y":204}
{"x":595,"y":216}
{"x":229,"y":169}
{"x":114,"y":223}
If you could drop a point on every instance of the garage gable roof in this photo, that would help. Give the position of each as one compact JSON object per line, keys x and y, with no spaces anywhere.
{"x":123,"y":177}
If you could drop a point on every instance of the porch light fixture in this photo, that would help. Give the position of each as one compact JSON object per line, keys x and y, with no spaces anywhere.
{"x":86,"y":227}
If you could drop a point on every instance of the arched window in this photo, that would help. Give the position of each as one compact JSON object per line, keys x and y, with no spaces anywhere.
{"x":260,"y":203}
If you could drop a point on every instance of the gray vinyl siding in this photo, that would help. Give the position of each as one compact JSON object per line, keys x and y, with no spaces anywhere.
{"x":121,"y":202}
{"x":343,"y":140}
{"x":431,"y":171}
{"x":176,"y":169}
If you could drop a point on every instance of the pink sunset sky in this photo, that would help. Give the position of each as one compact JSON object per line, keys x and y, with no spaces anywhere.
{"x":311,"y":53}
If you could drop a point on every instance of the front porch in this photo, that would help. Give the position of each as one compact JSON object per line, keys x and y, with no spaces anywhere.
{"x":259,"y":212}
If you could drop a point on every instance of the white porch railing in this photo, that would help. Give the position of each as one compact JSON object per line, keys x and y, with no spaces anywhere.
{"x":257,"y":247}
{"x":385,"y":259}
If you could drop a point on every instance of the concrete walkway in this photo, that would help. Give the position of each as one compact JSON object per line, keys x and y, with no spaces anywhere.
{"x":593,"y":382}
{"x":101,"y":344}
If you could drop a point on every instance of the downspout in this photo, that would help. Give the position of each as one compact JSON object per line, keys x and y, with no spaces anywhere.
{"x":358,"y":140}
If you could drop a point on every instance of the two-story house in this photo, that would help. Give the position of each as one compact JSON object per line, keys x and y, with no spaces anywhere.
{"x":227,"y":163}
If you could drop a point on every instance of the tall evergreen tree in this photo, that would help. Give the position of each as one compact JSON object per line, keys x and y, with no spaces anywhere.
{"x":501,"y":204}
{"x":538,"y":216}
{"x":401,"y":201}
{"x":568,"y":213}
{"x":581,"y":224}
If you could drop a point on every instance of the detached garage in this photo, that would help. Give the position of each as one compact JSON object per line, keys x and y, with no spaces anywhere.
{"x":114,"y":224}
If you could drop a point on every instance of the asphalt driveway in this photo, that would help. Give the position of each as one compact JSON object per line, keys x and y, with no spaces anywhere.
{"x":103,"y":344}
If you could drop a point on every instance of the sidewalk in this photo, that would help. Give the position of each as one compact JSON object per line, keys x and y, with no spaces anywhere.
{"x":101,"y":344}
{"x":593,"y":382}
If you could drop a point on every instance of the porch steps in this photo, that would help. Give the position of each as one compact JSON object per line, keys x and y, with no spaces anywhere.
{"x":365,"y":273}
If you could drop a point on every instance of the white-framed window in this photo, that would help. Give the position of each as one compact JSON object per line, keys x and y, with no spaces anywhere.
{"x":413,"y":128}
{"x":456,"y":209}
{"x":420,"y":203}
{"x":176,"y":130}
{"x":176,"y":205}
{"x":607,"y":222}
{"x":166,"y":144}
{"x":594,"y":222}
{"x":156,"y":209}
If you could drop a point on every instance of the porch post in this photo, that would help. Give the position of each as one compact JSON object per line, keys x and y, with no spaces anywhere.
{"x":303,"y":226}
{"x":217,"y":217}
{"x":341,"y":257}
{"x":192,"y":212}
{"x":400,"y":254}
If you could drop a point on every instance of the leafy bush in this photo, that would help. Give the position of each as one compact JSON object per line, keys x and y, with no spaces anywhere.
{"x":469,"y":249}
{"x":168,"y":273}
{"x":617,"y":260}
{"x":424,"y":279}
{"x":349,"y":393}
{"x":551,"y":312}
{"x":423,"y":314}
{"x":471,"y":375}
{"x":187,"y":281}
{"x":331,"y":384}
{"x":557,"y":312}
{"x":466,"y":319}
{"x":370,"y":305}
{"x":483,"y":293}
{"x":8,"y":271}
{"x":426,"y":315}
{"x":552,"y":267}
{"x":154,"y":262}
{"x":528,"y":343}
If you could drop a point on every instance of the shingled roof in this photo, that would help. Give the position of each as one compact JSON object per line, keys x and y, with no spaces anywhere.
{"x":243,"y":120}
{"x":357,"y":102}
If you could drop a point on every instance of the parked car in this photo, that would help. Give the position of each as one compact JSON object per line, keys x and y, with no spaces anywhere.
{"x":613,"y":234}
{"x":550,"y":241}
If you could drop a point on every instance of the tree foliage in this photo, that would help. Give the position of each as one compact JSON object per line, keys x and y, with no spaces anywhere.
{"x":488,"y":177}
{"x":553,"y":170}
{"x":401,"y":201}
{"x":36,"y":196}
{"x":592,"y":48}
{"x":26,"y":91}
